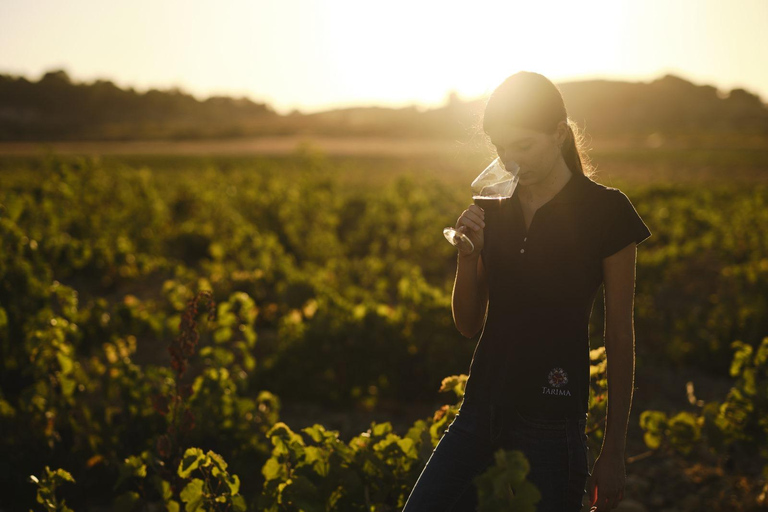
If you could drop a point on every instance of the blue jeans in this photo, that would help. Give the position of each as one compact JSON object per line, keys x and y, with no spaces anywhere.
{"x":556,"y":450}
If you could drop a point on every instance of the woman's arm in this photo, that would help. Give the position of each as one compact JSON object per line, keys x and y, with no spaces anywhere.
{"x":605,"y":486}
{"x":619,"y":282}
{"x":469,"y":302}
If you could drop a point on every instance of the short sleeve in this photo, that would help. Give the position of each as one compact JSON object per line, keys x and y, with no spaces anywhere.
{"x":622,"y":224}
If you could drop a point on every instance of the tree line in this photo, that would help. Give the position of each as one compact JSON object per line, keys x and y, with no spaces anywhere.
{"x":57,"y":108}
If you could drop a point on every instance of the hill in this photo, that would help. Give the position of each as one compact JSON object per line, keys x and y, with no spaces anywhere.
{"x":57,"y":109}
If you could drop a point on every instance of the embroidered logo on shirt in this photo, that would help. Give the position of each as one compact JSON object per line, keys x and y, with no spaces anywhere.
{"x":557,"y":377}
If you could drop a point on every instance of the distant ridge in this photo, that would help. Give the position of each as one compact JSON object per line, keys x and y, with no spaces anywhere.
{"x":57,"y":109}
{"x":668,"y":104}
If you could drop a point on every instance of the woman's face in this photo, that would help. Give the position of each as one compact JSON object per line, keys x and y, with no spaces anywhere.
{"x":535,"y":152}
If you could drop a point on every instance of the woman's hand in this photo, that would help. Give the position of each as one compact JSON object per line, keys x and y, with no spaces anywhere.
{"x":471,"y":222}
{"x":606,"y":485}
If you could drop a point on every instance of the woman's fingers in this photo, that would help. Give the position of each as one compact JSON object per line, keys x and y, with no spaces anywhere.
{"x":471,"y":228}
{"x":476,"y":209}
{"x":476,"y":219}
{"x":473,"y":224}
{"x":475,"y":212}
{"x":473,"y":218}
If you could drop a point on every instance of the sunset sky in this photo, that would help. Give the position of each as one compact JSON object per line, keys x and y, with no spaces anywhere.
{"x":318,"y":54}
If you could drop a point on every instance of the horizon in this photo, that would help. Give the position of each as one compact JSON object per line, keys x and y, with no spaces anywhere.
{"x":723,"y":93}
{"x":357,"y":56}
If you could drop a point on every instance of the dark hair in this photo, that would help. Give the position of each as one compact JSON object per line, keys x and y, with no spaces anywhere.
{"x":530,"y":100}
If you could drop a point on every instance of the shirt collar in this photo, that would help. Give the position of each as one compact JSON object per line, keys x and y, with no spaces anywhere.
{"x":571,"y":192}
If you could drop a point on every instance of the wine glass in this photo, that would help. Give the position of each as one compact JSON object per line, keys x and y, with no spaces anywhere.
{"x":490,"y":187}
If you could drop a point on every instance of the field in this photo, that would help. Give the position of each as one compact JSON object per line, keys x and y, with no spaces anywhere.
{"x":330,"y":283}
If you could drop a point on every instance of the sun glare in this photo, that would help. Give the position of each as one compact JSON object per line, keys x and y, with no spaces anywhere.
{"x":436,"y":46}
{"x":315,"y":55}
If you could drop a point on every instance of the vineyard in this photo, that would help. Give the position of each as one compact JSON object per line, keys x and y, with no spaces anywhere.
{"x":158,"y":315}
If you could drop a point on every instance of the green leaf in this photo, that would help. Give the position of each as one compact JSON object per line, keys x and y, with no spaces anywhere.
{"x":316,"y":432}
{"x":381,"y":429}
{"x":503,"y":486}
{"x":190,"y":462}
{"x":517,"y":465}
{"x":312,"y":454}
{"x":63,"y":475}
{"x":749,"y":381}
{"x":131,"y":467}
{"x":137,"y":466}
{"x":741,"y":357}
{"x":272,"y":469}
{"x":67,"y":386}
{"x":126,"y":502}
{"x":652,"y":440}
{"x":455,"y":383}
{"x":416,"y":430}
{"x":654,"y":423}
{"x":684,"y":431}
{"x":225,"y":317}
{"x":167,"y":493}
{"x":192,"y":495}
{"x":281,"y":431}
{"x":761,"y":357}
{"x":218,"y":460}
{"x":222,"y":335}
{"x":238,"y":504}
{"x":65,"y":362}
{"x":408,"y":447}
{"x":526,"y":497}
{"x":234,"y":484}
{"x":385,"y":445}
{"x":317,"y":458}
{"x":303,"y":494}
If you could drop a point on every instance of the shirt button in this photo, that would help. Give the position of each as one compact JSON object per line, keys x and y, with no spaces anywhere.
{"x":522,"y":251}
{"x":524,"y":239}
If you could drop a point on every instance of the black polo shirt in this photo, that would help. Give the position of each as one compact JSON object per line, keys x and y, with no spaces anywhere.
{"x":533,"y":352}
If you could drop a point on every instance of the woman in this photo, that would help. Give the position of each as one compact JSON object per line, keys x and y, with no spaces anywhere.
{"x":530,"y":284}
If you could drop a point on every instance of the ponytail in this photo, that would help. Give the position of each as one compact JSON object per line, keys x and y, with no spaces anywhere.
{"x":573,"y":150}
